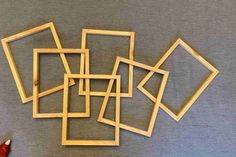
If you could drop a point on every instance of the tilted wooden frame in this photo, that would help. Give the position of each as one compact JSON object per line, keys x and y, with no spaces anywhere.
{"x":12,"y":64}
{"x":198,"y":92}
{"x":147,"y":132}
{"x":131,"y":57}
{"x":87,"y":78}
{"x":36,"y":83}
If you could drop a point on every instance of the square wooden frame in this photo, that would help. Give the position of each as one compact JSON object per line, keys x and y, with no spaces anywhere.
{"x":131,"y":57}
{"x":198,"y":92}
{"x":87,"y":78}
{"x":147,"y":132}
{"x":36,"y":83}
{"x":12,"y":64}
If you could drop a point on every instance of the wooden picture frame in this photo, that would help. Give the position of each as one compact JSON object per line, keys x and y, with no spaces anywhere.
{"x":198,"y":92}
{"x":6,"y":47}
{"x":36,"y":83}
{"x":87,"y":78}
{"x":147,"y":132}
{"x":85,"y":32}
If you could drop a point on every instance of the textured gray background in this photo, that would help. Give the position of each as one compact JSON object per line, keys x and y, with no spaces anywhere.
{"x":209,"y":26}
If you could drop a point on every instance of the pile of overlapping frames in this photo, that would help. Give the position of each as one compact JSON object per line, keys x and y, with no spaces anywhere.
{"x":85,"y":76}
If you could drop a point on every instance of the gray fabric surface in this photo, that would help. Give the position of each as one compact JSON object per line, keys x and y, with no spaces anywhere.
{"x":208,"y":128}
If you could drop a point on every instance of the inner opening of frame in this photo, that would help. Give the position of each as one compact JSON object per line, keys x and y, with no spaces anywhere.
{"x":22,"y":52}
{"x":186,"y":74}
{"x":100,"y":85}
{"x":135,"y":111}
{"x":51,"y":74}
{"x":103,"y":52}
{"x":89,"y":128}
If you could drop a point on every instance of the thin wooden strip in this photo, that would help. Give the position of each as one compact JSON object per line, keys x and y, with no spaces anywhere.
{"x":65,"y":109}
{"x":107,"y":32}
{"x":27,"y":32}
{"x":102,"y":94}
{"x":83,"y":46}
{"x":35,"y":83}
{"x":64,"y":50}
{"x":117,"y":127}
{"x":90,"y":142}
{"x":14,"y":71}
{"x":87,"y":85}
{"x":91,"y":76}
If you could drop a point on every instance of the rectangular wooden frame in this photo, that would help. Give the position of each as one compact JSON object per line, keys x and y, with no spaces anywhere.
{"x":198,"y":92}
{"x":147,"y":132}
{"x":36,"y":83}
{"x":12,"y":64}
{"x":131,"y":57}
{"x":114,"y":142}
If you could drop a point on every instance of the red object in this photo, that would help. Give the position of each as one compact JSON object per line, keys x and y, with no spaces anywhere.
{"x":4,"y":150}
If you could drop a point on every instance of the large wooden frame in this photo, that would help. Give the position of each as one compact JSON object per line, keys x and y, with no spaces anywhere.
{"x":198,"y":92}
{"x":5,"y":43}
{"x":87,"y":78}
{"x":131,"y":57}
{"x":147,"y":132}
{"x":36,"y":83}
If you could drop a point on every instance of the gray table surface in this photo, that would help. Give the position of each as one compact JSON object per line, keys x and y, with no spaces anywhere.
{"x":208,"y":128}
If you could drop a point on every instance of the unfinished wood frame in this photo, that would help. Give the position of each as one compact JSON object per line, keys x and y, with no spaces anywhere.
{"x":36,"y":83}
{"x":87,"y":78}
{"x":147,"y":132}
{"x":198,"y":92}
{"x":6,"y":47}
{"x":85,"y":32}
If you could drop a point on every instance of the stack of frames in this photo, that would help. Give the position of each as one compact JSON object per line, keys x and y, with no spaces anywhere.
{"x":84,"y":76}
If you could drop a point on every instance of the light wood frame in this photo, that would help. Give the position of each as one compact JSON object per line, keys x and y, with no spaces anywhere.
{"x":198,"y":92}
{"x":37,"y":52}
{"x":147,"y":132}
{"x":6,"y":47}
{"x":87,"y":78}
{"x":85,"y":32}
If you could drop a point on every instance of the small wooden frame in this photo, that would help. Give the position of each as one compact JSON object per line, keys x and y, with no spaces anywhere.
{"x":36,"y":82}
{"x":87,"y":78}
{"x":147,"y":132}
{"x":198,"y":92}
{"x":131,"y":57}
{"x":5,"y":43}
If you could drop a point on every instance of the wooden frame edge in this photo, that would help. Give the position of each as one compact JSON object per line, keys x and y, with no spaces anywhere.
{"x":198,"y":92}
{"x":114,"y":142}
{"x":36,"y":96}
{"x":131,"y":56}
{"x":17,"y":78}
{"x":147,"y":132}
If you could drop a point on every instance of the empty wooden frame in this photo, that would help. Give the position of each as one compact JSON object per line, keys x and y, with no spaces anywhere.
{"x":87,"y":78}
{"x":147,"y":132}
{"x":36,"y":82}
{"x":198,"y":92}
{"x":5,"y":43}
{"x":131,"y":54}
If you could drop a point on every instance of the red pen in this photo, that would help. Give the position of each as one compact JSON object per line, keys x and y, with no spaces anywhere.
{"x":5,"y":148}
